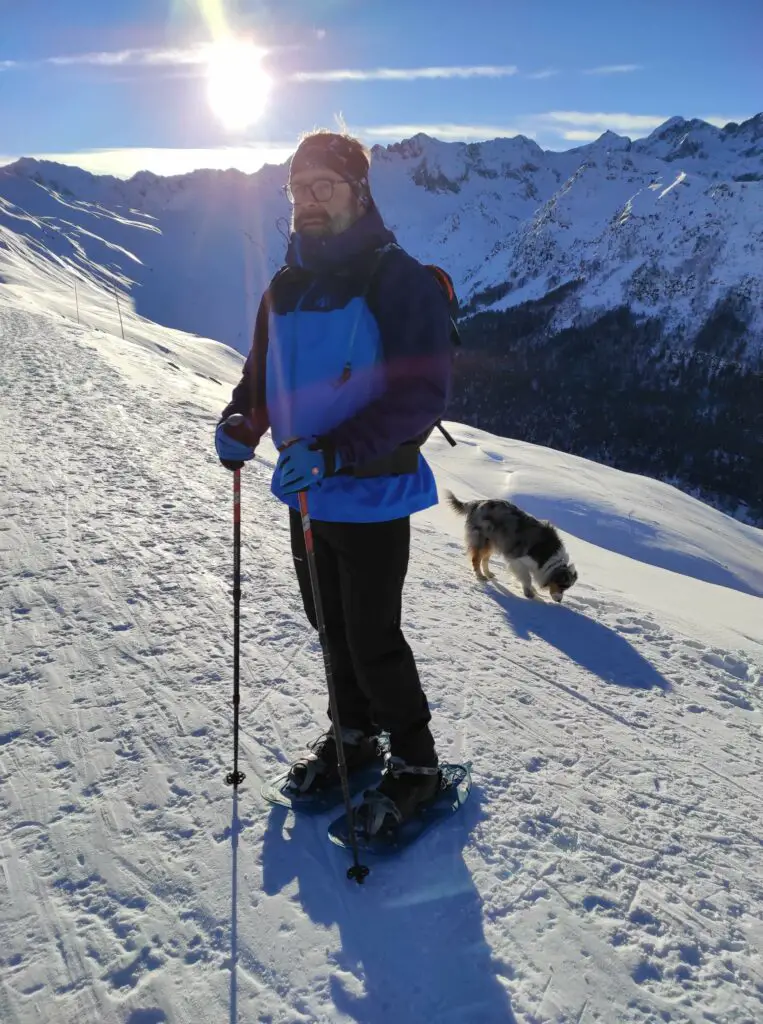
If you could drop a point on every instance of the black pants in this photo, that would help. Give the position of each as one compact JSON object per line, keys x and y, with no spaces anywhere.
{"x":361,"y":572}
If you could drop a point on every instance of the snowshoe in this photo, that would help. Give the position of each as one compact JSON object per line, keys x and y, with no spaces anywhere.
{"x":312,"y":783}
{"x":405,"y":805}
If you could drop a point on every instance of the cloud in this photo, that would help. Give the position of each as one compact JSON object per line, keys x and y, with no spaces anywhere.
{"x":194,"y":56}
{"x":137,"y":57}
{"x":583,"y":126}
{"x":156,"y":58}
{"x":580,"y":135}
{"x":446,"y":132}
{"x":406,"y":74}
{"x":622,"y":123}
{"x":545,"y":73}
{"x":573,"y":126}
{"x":123,"y":163}
{"x":613,"y":69}
{"x":721,"y":122}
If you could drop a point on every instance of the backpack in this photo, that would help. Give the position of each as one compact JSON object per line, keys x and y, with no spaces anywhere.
{"x":445,"y":281}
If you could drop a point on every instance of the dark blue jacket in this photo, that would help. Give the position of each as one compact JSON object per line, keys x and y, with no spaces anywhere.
{"x":360,"y":360}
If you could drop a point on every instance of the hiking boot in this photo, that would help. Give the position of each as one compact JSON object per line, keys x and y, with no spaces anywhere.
{"x":402,"y":792}
{"x":319,"y":769}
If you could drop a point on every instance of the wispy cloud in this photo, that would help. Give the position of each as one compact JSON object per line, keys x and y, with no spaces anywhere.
{"x":123,"y":163}
{"x":405,"y":74}
{"x":544,"y":73}
{"x":580,"y":135}
{"x":613,"y":69}
{"x":194,"y":56}
{"x":135,"y":58}
{"x":585,"y":126}
{"x":572,"y":126}
{"x":446,"y":132}
{"x":567,"y":121}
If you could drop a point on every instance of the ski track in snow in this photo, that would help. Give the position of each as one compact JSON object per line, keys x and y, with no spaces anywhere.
{"x":609,"y":866}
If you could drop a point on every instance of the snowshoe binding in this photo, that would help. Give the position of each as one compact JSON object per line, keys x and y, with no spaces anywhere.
{"x":312,"y":783}
{"x":408,"y":801}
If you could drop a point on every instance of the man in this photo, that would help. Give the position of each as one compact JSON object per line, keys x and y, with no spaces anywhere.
{"x":350,"y":369}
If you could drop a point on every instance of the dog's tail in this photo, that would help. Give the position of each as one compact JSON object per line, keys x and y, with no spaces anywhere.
{"x":458,"y":506}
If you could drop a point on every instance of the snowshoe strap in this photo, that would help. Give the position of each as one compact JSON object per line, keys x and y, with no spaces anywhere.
{"x":397,"y":766}
{"x":374,"y":813}
{"x":313,"y":767}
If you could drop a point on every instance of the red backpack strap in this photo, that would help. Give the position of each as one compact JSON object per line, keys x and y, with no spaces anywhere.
{"x":444,"y":280}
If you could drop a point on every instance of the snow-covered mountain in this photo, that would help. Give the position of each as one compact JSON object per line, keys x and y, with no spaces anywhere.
{"x":607,"y":866}
{"x":669,"y":225}
{"x":635,"y":263}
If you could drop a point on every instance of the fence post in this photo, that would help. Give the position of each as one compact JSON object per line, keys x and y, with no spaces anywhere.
{"x":119,"y":311}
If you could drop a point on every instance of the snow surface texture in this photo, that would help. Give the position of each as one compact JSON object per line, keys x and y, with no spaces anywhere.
{"x":608,"y":865}
{"x":667,"y":225}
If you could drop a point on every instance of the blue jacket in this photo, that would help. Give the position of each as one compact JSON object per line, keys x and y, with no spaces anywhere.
{"x":362,"y":363}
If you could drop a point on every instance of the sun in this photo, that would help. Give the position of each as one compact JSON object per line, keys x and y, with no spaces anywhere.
{"x":237,"y":85}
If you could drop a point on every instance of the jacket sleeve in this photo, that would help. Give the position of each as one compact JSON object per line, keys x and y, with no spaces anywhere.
{"x":249,"y":395}
{"x":414,"y":324}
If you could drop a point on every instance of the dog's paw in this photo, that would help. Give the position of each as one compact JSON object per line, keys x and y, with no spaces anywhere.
{"x":530,"y":594}
{"x":489,"y":575}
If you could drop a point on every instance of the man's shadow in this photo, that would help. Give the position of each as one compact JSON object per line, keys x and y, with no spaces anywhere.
{"x":594,"y":646}
{"x":413,"y":947}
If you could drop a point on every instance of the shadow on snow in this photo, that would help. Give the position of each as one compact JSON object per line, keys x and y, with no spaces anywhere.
{"x":593,"y":645}
{"x":412,"y":943}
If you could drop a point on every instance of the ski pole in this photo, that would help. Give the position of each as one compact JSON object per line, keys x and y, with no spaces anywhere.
{"x":235,"y":777}
{"x":358,"y":871}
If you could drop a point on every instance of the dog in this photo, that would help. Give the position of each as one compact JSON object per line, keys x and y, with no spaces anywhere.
{"x":532,"y":548}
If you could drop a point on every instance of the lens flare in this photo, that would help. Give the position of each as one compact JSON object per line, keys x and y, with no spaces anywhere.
{"x":237,"y":85}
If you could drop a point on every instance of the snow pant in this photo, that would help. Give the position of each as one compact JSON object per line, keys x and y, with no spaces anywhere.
{"x":361,"y":572}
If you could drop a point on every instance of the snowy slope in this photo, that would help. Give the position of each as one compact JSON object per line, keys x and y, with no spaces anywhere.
{"x":608,"y":867}
{"x":669,"y":225}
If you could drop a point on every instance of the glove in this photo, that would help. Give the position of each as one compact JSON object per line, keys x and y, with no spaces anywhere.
{"x":303,"y":464}
{"x":235,"y":441}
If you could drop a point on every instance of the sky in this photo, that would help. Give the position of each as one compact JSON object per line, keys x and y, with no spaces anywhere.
{"x":158,"y":84}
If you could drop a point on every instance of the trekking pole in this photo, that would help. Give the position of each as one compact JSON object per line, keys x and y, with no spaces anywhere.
{"x":235,"y":777}
{"x":358,"y":871}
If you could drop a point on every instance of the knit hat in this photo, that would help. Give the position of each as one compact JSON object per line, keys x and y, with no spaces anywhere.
{"x":339,"y":153}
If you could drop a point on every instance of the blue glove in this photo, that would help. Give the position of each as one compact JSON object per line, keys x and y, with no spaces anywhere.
{"x":235,"y":441}
{"x":302,"y":464}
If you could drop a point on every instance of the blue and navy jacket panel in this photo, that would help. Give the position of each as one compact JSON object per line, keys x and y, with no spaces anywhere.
{"x":364,"y":369}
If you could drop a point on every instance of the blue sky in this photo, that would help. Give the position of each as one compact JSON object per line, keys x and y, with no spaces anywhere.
{"x":120,"y":86}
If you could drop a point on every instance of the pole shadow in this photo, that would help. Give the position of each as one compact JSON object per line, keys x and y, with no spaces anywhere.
{"x":413,"y":946}
{"x":235,"y":829}
{"x":593,"y":645}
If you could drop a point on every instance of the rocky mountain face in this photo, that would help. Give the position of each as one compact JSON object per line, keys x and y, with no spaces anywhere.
{"x":612,"y":294}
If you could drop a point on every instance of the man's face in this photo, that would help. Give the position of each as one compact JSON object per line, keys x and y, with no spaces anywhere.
{"x":336,"y":210}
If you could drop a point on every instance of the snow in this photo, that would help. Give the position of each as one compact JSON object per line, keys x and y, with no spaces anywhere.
{"x":608,"y":865}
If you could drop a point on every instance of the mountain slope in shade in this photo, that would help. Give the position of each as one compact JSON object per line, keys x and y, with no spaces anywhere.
{"x":607,"y":867}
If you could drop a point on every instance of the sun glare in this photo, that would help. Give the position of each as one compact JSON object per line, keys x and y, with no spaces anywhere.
{"x":237,"y":85}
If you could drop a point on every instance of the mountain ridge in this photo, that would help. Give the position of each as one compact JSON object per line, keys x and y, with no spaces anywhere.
{"x":560,"y":259}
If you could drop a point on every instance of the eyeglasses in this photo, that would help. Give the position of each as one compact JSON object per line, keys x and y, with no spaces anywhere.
{"x":321,"y":190}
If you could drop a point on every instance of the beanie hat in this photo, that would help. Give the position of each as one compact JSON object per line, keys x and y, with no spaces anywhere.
{"x":339,"y":153}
